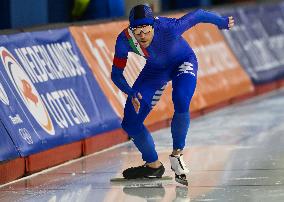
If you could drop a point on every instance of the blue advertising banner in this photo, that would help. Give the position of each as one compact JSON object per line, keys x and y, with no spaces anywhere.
{"x":281,"y":5}
{"x":52,"y":96}
{"x":7,"y":148}
{"x":258,"y":41}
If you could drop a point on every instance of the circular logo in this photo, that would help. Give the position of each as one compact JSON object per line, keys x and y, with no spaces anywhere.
{"x":3,"y":95}
{"x":27,"y":91}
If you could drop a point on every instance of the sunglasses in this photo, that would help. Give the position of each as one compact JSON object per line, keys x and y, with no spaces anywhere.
{"x":145,"y":29}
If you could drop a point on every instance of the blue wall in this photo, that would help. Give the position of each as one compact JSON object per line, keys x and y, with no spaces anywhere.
{"x":4,"y":14}
{"x":59,"y":10}
{"x":28,"y":12}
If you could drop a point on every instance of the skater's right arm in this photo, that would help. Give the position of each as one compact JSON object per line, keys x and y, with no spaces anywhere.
{"x":119,"y":63}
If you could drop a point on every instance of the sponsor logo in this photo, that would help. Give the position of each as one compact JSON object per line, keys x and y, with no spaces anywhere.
{"x":16,"y":119}
{"x":186,"y":68}
{"x":26,"y":91}
{"x":26,"y":135}
{"x":3,"y":95}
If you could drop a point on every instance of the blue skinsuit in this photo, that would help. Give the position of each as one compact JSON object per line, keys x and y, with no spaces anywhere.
{"x":169,"y":58}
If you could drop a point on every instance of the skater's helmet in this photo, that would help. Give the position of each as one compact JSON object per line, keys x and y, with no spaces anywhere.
{"x":141,"y":15}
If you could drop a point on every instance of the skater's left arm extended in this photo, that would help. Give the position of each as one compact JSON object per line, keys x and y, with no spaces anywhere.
{"x":190,"y":19}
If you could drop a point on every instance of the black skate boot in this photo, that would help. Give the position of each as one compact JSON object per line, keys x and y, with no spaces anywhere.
{"x":143,"y":171}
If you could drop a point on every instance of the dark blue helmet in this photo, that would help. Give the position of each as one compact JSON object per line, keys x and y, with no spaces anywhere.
{"x":141,"y":15}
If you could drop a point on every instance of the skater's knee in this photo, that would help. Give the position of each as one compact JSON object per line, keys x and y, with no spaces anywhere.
{"x":131,"y":127}
{"x":181,"y":100}
{"x":181,"y":107}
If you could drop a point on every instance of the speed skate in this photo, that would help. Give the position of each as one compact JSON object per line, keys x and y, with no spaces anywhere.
{"x":180,"y":169}
{"x":141,"y":182}
{"x":144,"y":179}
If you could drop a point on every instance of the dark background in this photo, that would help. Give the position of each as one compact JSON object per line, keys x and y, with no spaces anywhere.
{"x":17,"y":14}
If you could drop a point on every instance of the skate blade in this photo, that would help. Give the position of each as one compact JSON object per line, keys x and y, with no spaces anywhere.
{"x":182,"y":181}
{"x":149,"y":179}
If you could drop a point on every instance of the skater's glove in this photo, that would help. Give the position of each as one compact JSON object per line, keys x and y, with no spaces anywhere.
{"x":135,"y":99}
{"x":228,"y":23}
{"x":231,"y":22}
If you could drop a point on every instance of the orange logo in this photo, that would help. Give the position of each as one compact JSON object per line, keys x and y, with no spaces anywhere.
{"x":26,"y":91}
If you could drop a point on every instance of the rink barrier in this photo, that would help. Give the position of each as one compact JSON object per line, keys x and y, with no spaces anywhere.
{"x":215,"y":107}
{"x":159,"y":125}
{"x":7,"y":148}
{"x":195,"y":114}
{"x":49,"y":139}
{"x":280,"y":83}
{"x":258,"y":40}
{"x":102,"y":141}
{"x":106,"y":140}
{"x":265,"y":88}
{"x":11,"y":170}
{"x":16,"y":168}
{"x":242,"y":98}
{"x":52,"y":157}
{"x":50,"y":97}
